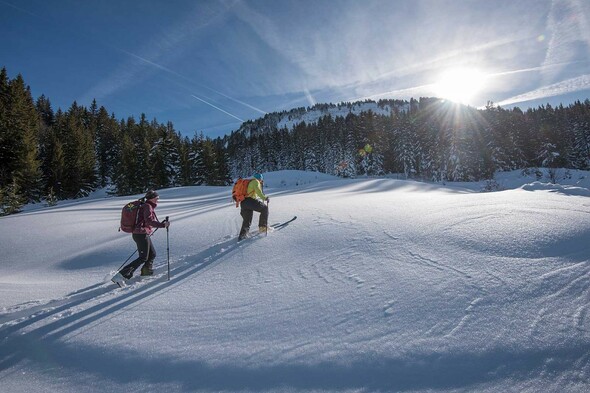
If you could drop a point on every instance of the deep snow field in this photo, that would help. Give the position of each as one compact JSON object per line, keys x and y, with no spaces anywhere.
{"x":380,"y":285}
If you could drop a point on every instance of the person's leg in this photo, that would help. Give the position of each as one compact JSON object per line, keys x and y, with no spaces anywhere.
{"x":143,"y":248}
{"x":263,"y":219}
{"x":260,"y":207}
{"x":148,"y":267}
{"x":246,"y":213}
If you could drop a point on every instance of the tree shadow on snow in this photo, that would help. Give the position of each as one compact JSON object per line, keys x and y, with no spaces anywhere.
{"x":78,"y":309}
{"x":413,"y":372}
{"x":36,"y":337}
{"x":376,"y":185}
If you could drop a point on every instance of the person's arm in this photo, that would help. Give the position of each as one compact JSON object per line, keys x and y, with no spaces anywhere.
{"x":149,"y":218}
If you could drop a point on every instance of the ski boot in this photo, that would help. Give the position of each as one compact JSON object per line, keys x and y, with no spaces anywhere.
{"x":147,"y":268}
{"x":243,"y":234}
{"x":127,"y":272}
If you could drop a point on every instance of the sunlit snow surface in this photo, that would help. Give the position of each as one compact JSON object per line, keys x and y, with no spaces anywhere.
{"x":379,"y":285}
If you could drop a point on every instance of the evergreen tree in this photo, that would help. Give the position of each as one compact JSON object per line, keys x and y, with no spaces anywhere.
{"x":19,"y":140}
{"x":45,"y":111}
{"x":79,"y":154}
{"x":349,"y":164}
{"x":165,"y":159}
{"x":53,"y":158}
{"x":159,"y":174}
{"x":185,"y":165}
{"x":406,"y":150}
{"x":11,"y":199}
{"x":223,"y":176}
{"x":6,"y":138}
{"x":580,"y":125}
{"x":210,"y":161}
{"x":46,"y":121}
{"x":311,"y":148}
{"x":197,"y":159}
{"x":145,"y":137}
{"x":126,"y":176}
{"x":107,"y":145}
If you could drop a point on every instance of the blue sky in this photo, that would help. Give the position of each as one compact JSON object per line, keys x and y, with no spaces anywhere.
{"x":209,"y":65}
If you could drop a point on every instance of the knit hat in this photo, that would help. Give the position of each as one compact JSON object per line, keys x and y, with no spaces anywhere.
{"x":258,"y":176}
{"x":151,"y":194}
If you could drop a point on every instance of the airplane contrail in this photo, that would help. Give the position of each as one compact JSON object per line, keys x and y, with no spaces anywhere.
{"x":189,"y":80}
{"x":236,"y":100}
{"x":219,"y":109}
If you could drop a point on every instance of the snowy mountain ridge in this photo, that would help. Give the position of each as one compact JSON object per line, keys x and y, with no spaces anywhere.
{"x":342,"y":110}
{"x":310,"y":115}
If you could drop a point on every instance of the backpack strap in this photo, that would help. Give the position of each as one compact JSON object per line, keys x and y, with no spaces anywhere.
{"x":141,"y":203}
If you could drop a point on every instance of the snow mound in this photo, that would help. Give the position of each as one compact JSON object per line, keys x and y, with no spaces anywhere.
{"x":557,"y":188}
{"x":566,"y":177}
{"x":294,"y":178}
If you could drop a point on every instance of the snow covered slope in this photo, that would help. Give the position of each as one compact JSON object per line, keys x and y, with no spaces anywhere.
{"x":379,"y":285}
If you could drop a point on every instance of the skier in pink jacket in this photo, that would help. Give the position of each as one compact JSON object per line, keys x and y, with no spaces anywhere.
{"x":141,"y":236}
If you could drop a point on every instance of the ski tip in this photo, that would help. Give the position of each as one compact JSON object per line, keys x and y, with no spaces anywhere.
{"x":120,"y":285}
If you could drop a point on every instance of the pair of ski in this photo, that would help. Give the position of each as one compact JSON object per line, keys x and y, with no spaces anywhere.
{"x":120,"y":281}
{"x":273,"y":227}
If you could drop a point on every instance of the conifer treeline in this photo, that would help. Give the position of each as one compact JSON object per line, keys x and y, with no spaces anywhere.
{"x":426,"y":139}
{"x":47,"y":155}
{"x":60,"y":155}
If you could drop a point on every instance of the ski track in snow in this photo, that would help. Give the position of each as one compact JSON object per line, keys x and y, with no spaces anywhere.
{"x":387,"y":296}
{"x":107,"y":295}
{"x":35,"y":310}
{"x":573,"y":282}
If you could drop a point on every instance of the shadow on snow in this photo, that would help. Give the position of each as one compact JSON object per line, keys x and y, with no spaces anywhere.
{"x":43,"y":346}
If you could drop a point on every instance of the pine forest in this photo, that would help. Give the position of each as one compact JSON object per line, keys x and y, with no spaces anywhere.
{"x":48,"y":155}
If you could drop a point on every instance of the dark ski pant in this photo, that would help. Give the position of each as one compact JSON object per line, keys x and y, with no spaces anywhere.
{"x":248,"y":207}
{"x":147,"y":254}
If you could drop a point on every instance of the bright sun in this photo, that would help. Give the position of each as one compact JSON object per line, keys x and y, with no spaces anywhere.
{"x":459,"y":84}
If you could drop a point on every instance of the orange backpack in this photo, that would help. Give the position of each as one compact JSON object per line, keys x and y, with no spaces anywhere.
{"x":240,"y":190}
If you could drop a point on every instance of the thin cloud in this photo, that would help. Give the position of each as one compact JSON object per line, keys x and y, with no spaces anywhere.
{"x":168,"y":70}
{"x":163,"y":45}
{"x":435,"y":63}
{"x":21,"y":9}
{"x":568,"y":25}
{"x":118,"y":79}
{"x":534,"y":69}
{"x":565,"y":87}
{"x":309,"y":97}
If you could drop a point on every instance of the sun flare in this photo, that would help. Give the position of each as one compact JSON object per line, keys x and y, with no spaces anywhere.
{"x":459,"y":84}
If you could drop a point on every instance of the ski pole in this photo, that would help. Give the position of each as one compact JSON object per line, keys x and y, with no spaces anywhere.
{"x":168,"y":246}
{"x":119,"y":269}
{"x":267,"y":203}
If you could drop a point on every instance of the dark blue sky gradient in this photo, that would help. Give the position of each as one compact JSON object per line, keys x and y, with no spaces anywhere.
{"x":209,"y":65}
